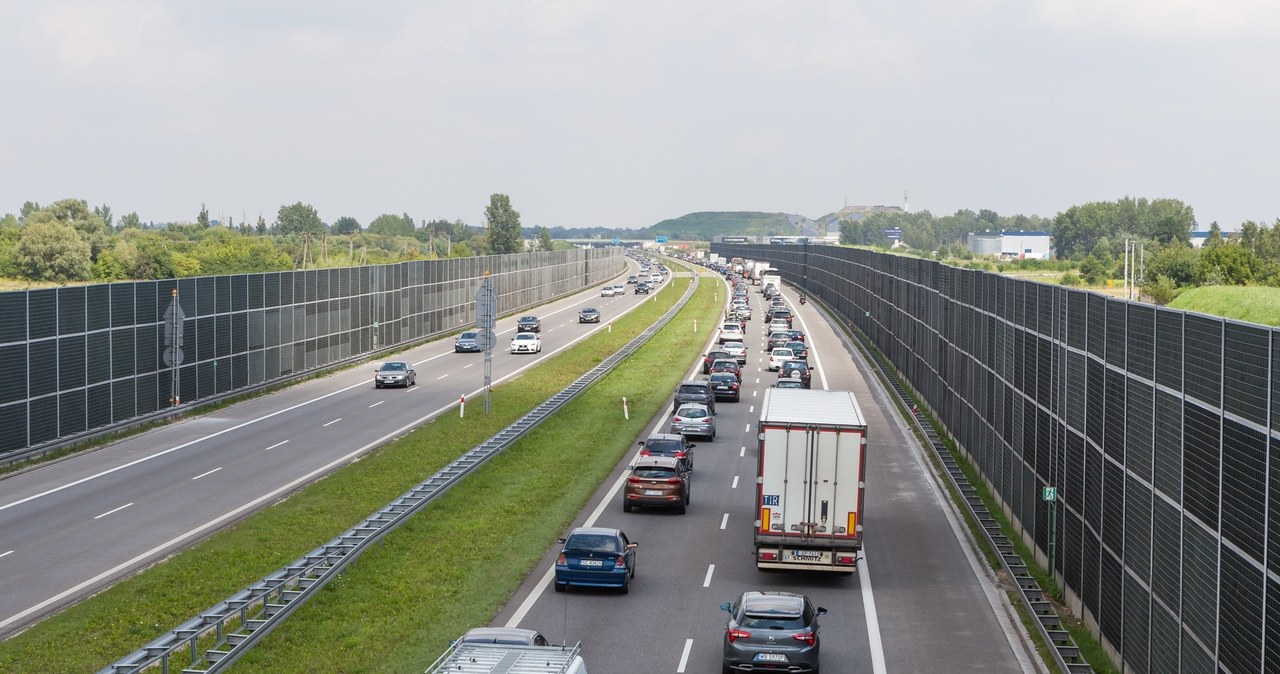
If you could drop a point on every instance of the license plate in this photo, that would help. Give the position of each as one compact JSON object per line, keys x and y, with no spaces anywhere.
{"x":653,"y":492}
{"x":592,"y":562}
{"x":770,"y":657}
{"x":812,"y":555}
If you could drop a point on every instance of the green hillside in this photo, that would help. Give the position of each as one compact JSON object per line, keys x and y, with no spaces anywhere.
{"x":1253,"y":304}
{"x":705,"y":225}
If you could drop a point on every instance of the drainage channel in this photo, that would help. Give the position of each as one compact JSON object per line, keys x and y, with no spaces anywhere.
{"x":1065,"y":652}
{"x":219,"y":636}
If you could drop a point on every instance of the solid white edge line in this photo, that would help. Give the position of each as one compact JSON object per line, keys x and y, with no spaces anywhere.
{"x":724,"y":521}
{"x":706,"y":580}
{"x":113,"y":510}
{"x":873,"y":622}
{"x":684,"y":657}
{"x":211,"y":472}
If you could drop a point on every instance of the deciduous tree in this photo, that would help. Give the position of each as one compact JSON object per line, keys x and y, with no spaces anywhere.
{"x":53,"y":251}
{"x":504,"y":225}
{"x":394,"y":225}
{"x":345,"y":225}
{"x":298,"y":218}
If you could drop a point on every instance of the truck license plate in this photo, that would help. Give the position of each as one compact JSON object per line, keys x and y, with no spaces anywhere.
{"x":770,"y":657}
{"x":807,"y":555}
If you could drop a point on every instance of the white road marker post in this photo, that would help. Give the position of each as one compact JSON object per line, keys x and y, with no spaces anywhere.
{"x":626,"y":411}
{"x":462,"y":406}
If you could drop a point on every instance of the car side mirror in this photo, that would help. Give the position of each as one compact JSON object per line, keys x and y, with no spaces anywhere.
{"x":822,"y":611}
{"x":724,"y":606}
{"x":560,"y":541}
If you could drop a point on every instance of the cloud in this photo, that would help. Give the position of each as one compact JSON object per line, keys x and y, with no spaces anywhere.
{"x":1163,"y":19}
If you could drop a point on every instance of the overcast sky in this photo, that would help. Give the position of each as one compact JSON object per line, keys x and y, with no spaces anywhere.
{"x":622,"y":114}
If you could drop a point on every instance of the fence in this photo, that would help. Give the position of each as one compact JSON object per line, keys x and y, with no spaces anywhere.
{"x":86,"y":358}
{"x":1155,"y":425}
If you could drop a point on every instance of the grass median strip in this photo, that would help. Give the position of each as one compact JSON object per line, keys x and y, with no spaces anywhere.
{"x":452,"y":567}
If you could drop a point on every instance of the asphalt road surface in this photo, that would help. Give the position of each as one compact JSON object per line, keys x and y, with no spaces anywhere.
{"x":73,"y":527}
{"x":922,"y":600}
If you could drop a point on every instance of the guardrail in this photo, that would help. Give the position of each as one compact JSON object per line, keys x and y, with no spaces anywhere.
{"x":219,"y":636}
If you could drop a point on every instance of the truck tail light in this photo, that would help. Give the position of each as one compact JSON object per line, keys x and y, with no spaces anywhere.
{"x":768,"y":556}
{"x":735,"y":634}
{"x":848,"y":560}
{"x":807,"y":637}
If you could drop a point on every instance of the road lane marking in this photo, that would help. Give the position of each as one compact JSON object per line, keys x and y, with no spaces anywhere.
{"x":376,"y":404}
{"x":743,"y":452}
{"x":873,"y":622}
{"x":6,"y":554}
{"x":735,"y":477}
{"x":751,"y":410}
{"x":112,"y":511}
{"x":754,"y":391}
{"x":208,"y":473}
{"x":684,"y":657}
{"x":747,"y":429}
{"x":282,"y":442}
{"x":442,"y":376}
{"x":711,"y":569}
{"x":332,"y":422}
{"x":724,"y":521}
{"x":467,"y":365}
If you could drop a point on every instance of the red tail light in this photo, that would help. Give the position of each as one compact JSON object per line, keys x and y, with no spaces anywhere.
{"x":621,"y":563}
{"x":677,"y":419}
{"x":681,"y":454}
{"x":645,"y":452}
{"x":561,"y":561}
{"x":735,"y":387}
{"x":706,"y":420}
{"x":807,"y":637}
{"x":634,"y":480}
{"x":735,"y":634}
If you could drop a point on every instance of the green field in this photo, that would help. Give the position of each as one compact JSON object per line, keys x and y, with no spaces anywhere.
{"x":1253,"y":304}
{"x":452,"y":567}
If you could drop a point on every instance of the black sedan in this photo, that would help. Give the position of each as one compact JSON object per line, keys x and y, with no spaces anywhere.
{"x":589,"y":315}
{"x":467,"y":342}
{"x":528,"y":324}
{"x":642,"y":288}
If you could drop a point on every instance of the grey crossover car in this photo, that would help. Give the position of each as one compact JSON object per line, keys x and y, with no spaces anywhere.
{"x":771,"y":631}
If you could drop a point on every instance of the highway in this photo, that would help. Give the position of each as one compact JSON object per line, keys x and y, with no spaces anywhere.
{"x":72,"y":527}
{"x":922,"y":601}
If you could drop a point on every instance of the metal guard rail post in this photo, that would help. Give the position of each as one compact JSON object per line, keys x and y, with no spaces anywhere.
{"x":241,"y":621}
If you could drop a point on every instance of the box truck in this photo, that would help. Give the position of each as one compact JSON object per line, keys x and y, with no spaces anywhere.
{"x":771,"y":277}
{"x":809,"y":480}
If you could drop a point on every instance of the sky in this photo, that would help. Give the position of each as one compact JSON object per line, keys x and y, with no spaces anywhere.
{"x":623,"y":114}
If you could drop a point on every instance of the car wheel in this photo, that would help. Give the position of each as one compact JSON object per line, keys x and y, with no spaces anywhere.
{"x":377,"y":385}
{"x":560,"y":587}
{"x":726,"y":669}
{"x":626,"y":507}
{"x":680,"y":509}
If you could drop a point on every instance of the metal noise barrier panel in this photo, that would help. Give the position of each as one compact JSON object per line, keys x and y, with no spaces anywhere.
{"x":238,"y":623}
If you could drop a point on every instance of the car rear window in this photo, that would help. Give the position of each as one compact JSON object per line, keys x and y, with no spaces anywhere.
{"x":663,"y":446}
{"x":772,"y":621}
{"x":593,"y":543}
{"x":691,"y":412}
{"x":695,"y":389}
{"x":654,"y":472}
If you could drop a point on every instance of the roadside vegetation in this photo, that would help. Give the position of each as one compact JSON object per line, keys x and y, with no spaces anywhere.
{"x":399,"y":605}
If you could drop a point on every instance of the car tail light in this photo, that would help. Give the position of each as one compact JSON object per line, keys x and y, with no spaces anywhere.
{"x":645,"y":452}
{"x":735,"y":634}
{"x":681,"y":454}
{"x":706,"y":420}
{"x":735,"y":387}
{"x":807,"y":637}
{"x":677,"y":419}
{"x":620,"y":563}
{"x":561,"y":561}
{"x":672,"y":480}
{"x":634,"y":480}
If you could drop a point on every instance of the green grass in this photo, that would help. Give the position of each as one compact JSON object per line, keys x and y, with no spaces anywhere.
{"x":1254,"y":304}
{"x":450,"y":568}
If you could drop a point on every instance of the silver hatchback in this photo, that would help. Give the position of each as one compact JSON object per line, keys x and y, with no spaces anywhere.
{"x":771,"y":631}
{"x":694,"y":419}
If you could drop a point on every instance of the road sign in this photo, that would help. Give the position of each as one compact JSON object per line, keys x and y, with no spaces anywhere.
{"x":486,"y":305}
{"x":1049,"y":494}
{"x":485,"y":339}
{"x":173,"y":317}
{"x":661,"y":239}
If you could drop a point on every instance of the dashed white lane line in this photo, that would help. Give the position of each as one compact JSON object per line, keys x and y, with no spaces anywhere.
{"x":751,"y":410}
{"x":114,"y":510}
{"x":724,"y":521}
{"x":6,"y":554}
{"x":332,"y":422}
{"x":282,"y":442}
{"x":735,"y":477}
{"x":376,"y":404}
{"x":706,"y":581}
{"x":442,"y":376}
{"x":684,"y":657}
{"x":467,"y":365}
{"x":747,"y":429}
{"x":211,"y":472}
{"x":743,"y":452}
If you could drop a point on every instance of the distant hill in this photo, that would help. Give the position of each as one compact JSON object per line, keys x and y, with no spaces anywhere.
{"x":707,"y":224}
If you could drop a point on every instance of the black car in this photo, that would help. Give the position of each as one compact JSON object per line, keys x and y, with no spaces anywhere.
{"x":467,"y":342}
{"x":632,"y":280}
{"x":528,"y":324}
{"x":589,"y":315}
{"x":642,"y":288}
{"x":695,"y":391}
{"x":713,"y":356}
{"x":799,"y":348}
{"x":796,"y":369}
{"x":726,"y":386}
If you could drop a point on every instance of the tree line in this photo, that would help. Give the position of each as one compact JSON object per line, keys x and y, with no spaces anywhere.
{"x":1089,"y":242}
{"x":67,"y":241}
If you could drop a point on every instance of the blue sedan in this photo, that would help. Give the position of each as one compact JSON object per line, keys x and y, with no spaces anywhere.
{"x":596,"y":557}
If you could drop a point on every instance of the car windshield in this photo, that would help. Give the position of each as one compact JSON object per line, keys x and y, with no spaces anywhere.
{"x":593,"y":543}
{"x":393,"y":366}
{"x":526,"y":336}
{"x":654,"y":472}
{"x":467,"y":335}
